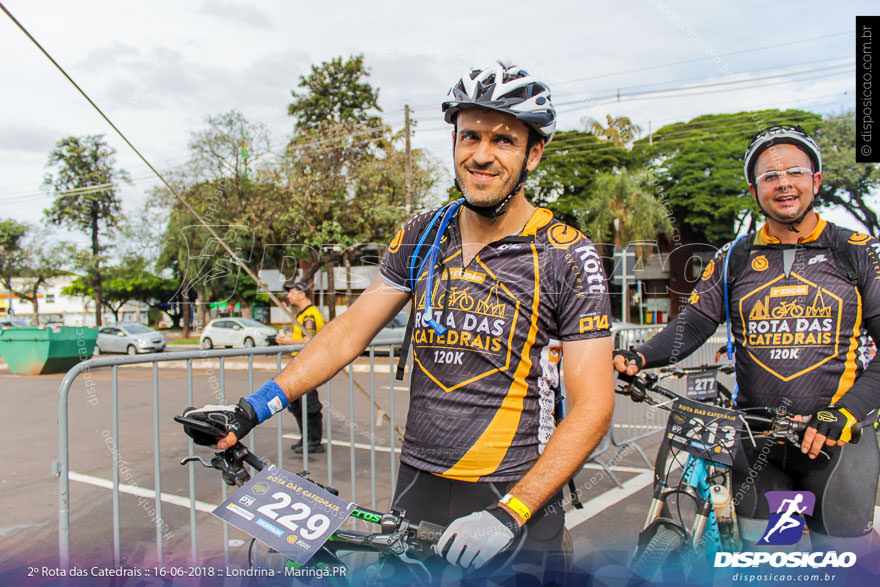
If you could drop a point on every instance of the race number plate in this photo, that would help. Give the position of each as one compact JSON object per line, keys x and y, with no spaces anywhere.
{"x":702,"y":385}
{"x":286,"y":512}
{"x":704,"y":431}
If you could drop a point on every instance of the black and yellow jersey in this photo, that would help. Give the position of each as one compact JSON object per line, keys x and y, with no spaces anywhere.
{"x":797,"y":333}
{"x":482,"y":394}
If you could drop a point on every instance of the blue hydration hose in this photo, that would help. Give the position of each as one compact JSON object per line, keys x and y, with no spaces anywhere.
{"x":431,"y":259}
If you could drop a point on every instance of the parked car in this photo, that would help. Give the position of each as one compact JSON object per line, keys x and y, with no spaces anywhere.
{"x":394,"y":331}
{"x":129,"y":338}
{"x":12,"y":323}
{"x":237,"y":332}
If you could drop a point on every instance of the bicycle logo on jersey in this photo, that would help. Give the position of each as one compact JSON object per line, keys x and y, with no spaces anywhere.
{"x":787,"y":510}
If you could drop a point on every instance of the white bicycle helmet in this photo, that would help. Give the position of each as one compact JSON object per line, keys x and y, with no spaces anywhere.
{"x":507,"y":89}
{"x":777,"y":135}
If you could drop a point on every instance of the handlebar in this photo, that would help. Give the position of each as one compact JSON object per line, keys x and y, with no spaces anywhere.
{"x":398,"y":535}
{"x":772,"y":423}
{"x":679,"y":371}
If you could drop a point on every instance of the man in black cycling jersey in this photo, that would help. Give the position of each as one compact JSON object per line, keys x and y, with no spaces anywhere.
{"x":503,"y":296}
{"x":807,"y":292}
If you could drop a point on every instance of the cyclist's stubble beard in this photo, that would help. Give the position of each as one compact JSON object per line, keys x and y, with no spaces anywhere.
{"x":792,"y":216}
{"x":484,"y":195}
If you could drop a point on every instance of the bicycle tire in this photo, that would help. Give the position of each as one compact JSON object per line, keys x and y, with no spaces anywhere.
{"x":664,"y":545}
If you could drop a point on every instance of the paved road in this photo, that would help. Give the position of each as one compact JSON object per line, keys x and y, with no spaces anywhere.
{"x":603,"y":532}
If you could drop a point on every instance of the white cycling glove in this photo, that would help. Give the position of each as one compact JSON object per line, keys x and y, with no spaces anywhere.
{"x":472,"y":540}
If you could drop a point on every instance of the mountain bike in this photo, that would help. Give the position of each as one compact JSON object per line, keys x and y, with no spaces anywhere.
{"x":692,"y":512}
{"x":396,"y":539}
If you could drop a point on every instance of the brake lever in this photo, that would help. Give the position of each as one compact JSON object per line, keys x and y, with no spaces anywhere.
{"x":203,"y":462}
{"x":228,"y":462}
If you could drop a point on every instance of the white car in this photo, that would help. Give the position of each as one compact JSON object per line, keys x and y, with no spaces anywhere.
{"x":244,"y":332}
{"x":6,"y":323}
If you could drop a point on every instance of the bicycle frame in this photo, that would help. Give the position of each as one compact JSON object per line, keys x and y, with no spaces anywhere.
{"x":704,"y":533}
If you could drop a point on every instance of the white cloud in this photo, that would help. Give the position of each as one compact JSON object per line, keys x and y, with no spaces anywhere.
{"x":159,"y":69}
{"x":237,"y":13}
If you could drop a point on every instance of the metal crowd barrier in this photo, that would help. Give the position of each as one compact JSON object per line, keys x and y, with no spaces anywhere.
{"x":363,"y":433}
{"x":357,"y":419}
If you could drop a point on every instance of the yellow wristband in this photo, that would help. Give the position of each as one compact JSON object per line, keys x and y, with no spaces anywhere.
{"x":517,"y":506}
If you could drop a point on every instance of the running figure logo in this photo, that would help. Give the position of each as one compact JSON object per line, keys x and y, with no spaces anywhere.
{"x":786,"y":526}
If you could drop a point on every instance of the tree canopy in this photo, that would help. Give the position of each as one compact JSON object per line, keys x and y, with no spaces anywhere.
{"x":130,"y":280}
{"x":846,"y":183}
{"x":12,"y":252}
{"x":622,"y":207}
{"x":565,"y":178}
{"x":620,"y":130}
{"x":697,"y":167}
{"x":30,"y":255}
{"x":335,"y":92}
{"x":339,"y":183}
{"x":84,"y":183}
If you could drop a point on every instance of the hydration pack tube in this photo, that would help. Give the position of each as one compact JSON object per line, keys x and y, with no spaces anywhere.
{"x":434,"y":231}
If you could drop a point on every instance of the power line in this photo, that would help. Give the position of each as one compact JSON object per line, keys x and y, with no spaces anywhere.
{"x":812,"y":63}
{"x":369,"y":133}
{"x":709,"y":57}
{"x":183,"y":201}
{"x":621,"y":96}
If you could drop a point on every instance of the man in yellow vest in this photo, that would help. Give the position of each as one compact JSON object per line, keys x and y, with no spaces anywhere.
{"x":308,"y":322}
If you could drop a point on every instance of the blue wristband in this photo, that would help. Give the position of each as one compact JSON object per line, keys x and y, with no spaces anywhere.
{"x":267,"y":401}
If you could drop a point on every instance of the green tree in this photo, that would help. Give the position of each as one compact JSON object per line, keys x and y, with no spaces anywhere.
{"x":621,"y":130}
{"x":343,"y":173}
{"x":846,"y":183}
{"x":201,"y":267}
{"x":335,"y":92}
{"x":697,"y":169}
{"x":12,"y":252}
{"x":566,"y":176}
{"x":129,"y":281}
{"x":28,"y":256}
{"x":84,"y":183}
{"x":236,"y":196}
{"x":622,"y":206}
{"x":341,"y":196}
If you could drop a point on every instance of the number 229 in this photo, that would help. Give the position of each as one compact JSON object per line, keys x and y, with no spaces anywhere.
{"x":315,"y":524}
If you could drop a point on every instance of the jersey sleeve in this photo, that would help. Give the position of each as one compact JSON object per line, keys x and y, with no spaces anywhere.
{"x":395,"y":267}
{"x":868,"y":254}
{"x":707,"y":297}
{"x":583,"y":307}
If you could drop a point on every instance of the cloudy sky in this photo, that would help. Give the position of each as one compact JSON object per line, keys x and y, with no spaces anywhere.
{"x":159,"y":68}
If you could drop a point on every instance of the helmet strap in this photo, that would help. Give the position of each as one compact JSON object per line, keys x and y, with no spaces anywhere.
{"x":791,"y":225}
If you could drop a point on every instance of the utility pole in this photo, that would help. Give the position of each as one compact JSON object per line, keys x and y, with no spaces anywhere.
{"x":408,"y":131}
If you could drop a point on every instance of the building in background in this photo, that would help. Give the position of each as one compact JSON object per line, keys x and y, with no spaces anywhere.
{"x":57,"y":308}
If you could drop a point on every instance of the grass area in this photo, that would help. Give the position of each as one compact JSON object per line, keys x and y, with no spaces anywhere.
{"x":175,"y":341}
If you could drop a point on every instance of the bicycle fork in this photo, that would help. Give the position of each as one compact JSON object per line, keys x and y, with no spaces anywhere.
{"x":704,"y":532}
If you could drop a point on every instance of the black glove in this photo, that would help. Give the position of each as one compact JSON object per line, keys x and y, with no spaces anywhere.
{"x":239,"y":418}
{"x":835,"y":423}
{"x":630,"y":356}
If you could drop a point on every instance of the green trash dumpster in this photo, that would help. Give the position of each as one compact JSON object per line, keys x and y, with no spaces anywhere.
{"x":34,"y":351}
